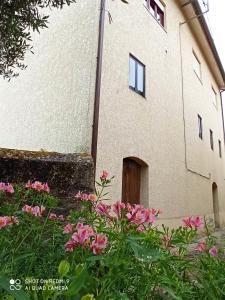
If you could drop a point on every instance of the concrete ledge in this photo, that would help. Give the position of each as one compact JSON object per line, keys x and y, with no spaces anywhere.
{"x":65,"y":173}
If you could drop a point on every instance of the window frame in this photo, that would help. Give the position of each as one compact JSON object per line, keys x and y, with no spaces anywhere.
{"x":211,"y":139}
{"x":157,"y":11}
{"x":215,"y":103}
{"x":195,"y":56}
{"x":200,"y":127}
{"x":135,"y":88}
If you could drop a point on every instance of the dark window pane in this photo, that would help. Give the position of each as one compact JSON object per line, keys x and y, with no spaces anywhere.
{"x":211,"y":139}
{"x":200,"y":129}
{"x":132,"y":71}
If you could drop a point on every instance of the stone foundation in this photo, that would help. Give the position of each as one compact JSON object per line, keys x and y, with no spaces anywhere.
{"x":66,"y":174}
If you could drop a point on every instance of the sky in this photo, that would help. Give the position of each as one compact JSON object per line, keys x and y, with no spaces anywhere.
{"x":216,"y":21}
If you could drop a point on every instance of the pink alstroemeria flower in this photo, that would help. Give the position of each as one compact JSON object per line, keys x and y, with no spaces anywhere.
{"x":104,"y":210}
{"x":38,"y":186}
{"x":34,"y":210}
{"x":68,"y":228}
{"x":187,"y":222}
{"x":201,"y":247}
{"x":104,"y":175}
{"x":83,"y":234}
{"x":70,"y":245}
{"x":7,"y":221}
{"x":99,"y":243}
{"x":117,"y":207}
{"x":197,"y":222}
{"x":213,"y":251}
{"x":8,"y":188}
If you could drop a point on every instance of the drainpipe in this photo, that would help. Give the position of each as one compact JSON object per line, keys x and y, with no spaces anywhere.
{"x":98,"y":83}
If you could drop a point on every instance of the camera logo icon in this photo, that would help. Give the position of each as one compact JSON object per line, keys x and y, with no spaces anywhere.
{"x":15,"y":284}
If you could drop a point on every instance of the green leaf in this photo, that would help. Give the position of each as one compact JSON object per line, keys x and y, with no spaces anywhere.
{"x":64,"y":268}
{"x":77,"y":284}
{"x":144,"y":252}
{"x":17,"y":294}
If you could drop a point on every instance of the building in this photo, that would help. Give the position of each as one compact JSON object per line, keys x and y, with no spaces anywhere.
{"x":136,"y":85}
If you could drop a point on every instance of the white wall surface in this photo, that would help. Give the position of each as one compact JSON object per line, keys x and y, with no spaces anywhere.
{"x":50,"y":105}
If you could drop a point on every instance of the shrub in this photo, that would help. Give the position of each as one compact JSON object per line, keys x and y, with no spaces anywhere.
{"x":103,"y":251}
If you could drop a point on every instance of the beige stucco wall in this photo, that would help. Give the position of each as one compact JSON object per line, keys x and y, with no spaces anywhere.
{"x":152,"y":128}
{"x":50,"y":105}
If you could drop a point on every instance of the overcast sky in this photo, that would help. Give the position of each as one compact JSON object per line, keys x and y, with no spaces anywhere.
{"x":216,"y":21}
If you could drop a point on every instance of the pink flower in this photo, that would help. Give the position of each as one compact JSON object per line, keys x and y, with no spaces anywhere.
{"x":83,"y":234}
{"x":104,"y":210}
{"x":38,"y":186}
{"x":46,"y":188}
{"x":70,"y":245}
{"x":197,"y":222}
{"x":201,"y":246}
{"x":117,"y":208}
{"x":99,"y":243}
{"x":53,"y":216}
{"x":140,"y":215}
{"x":193,"y":222}
{"x":61,"y":218}
{"x":213,"y":251}
{"x":27,"y":209}
{"x":104,"y":175}
{"x":187,"y":222}
{"x":85,"y":197}
{"x":3,"y":222}
{"x":7,"y":221}
{"x":2,"y":186}
{"x":6,"y":188}
{"x":68,"y":228}
{"x":29,"y":185}
{"x":9,"y":188}
{"x":34,"y":210}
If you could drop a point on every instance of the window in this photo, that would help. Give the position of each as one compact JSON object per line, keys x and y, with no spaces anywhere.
{"x":200,"y":128}
{"x":211,"y":139}
{"x":220,"y":149}
{"x":214,"y":97}
{"x":136,"y":76}
{"x":156,"y":8}
{"x":196,"y":66}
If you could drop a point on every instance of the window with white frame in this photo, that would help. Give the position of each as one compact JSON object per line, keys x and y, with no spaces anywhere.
{"x":136,"y":75}
{"x":157,"y":9}
{"x":196,"y":65}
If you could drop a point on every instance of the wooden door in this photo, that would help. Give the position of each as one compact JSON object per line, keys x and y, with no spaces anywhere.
{"x":131,"y":182}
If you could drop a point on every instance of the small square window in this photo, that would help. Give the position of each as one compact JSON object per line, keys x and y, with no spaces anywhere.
{"x":220,"y":148}
{"x":136,"y":76}
{"x":200,"y":128}
{"x":211,"y":139}
{"x":157,"y":9}
{"x":196,"y":66}
{"x":214,"y":97}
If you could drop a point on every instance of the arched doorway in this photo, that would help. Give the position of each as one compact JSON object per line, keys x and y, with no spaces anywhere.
{"x":134,"y":180}
{"x":215,"y":205}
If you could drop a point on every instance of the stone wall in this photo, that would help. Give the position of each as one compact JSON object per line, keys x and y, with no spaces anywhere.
{"x":66,"y":174}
